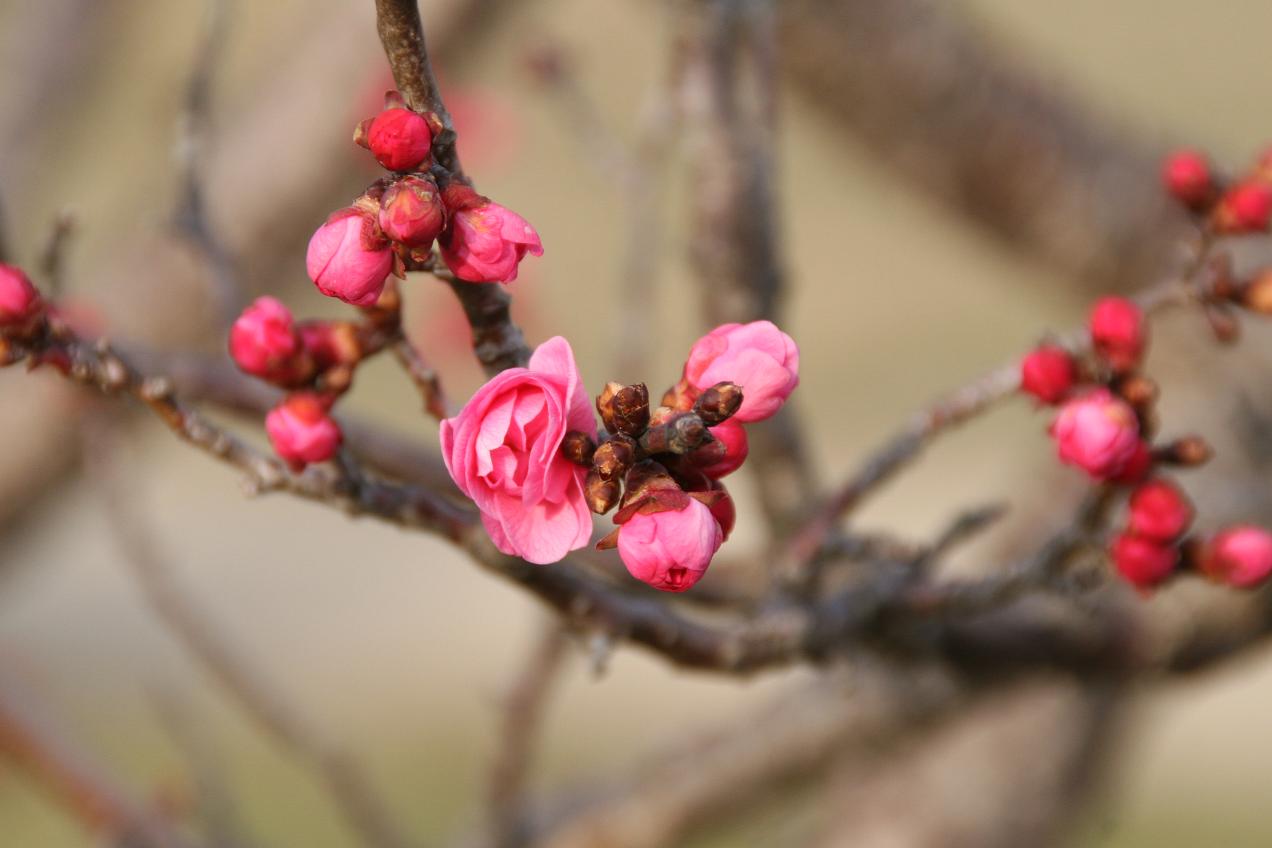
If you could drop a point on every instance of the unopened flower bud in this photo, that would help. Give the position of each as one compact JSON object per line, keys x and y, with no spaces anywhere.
{"x":264,"y":343}
{"x":758,"y":357}
{"x":1244,"y":208}
{"x":348,"y":259}
{"x":301,"y":431}
{"x":411,"y":212}
{"x":602,"y":495}
{"x":718,"y":403}
{"x":331,"y":343}
{"x":724,"y":454}
{"x":624,"y":409}
{"x":1159,"y":511}
{"x":19,"y":299}
{"x":1187,"y":451}
{"x":1144,"y":563}
{"x":1239,"y":556}
{"x":614,"y":457}
{"x":1118,"y":332}
{"x":486,"y":242}
{"x":1096,"y":432}
{"x":578,"y":447}
{"x":398,"y":138}
{"x":1048,"y":373}
{"x":681,"y":434}
{"x":670,"y":550}
{"x":1186,"y":175}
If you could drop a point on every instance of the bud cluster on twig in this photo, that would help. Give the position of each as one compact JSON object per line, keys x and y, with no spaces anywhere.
{"x":1107,"y":419}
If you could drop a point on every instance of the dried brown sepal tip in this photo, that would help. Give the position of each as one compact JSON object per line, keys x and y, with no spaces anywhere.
{"x":624,"y":409}
{"x":1223,"y":324}
{"x":578,"y":448}
{"x":602,"y":495}
{"x":614,"y":457}
{"x":1188,"y":451}
{"x":680,"y":434}
{"x":718,"y":403}
{"x":1257,"y":295}
{"x":1139,"y":391}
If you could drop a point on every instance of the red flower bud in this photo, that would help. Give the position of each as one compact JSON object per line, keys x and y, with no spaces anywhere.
{"x":1144,"y":563}
{"x":1048,"y":373}
{"x":1186,"y":175}
{"x":411,"y":212}
{"x":1159,"y":511}
{"x":1244,"y":208}
{"x":399,"y":139}
{"x":264,"y":343}
{"x":301,"y":431}
{"x":19,"y":300}
{"x":1240,"y":556}
{"x":1098,"y":433}
{"x":1119,"y":332}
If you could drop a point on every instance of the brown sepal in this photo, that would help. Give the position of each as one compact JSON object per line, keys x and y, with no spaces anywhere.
{"x":610,"y":540}
{"x":718,"y":403}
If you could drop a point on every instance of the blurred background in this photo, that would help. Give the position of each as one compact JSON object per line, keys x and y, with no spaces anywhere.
{"x":908,"y":277}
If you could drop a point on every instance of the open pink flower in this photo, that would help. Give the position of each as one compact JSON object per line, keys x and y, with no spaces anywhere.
{"x":1098,"y":433}
{"x":758,"y":356}
{"x":670,"y":550}
{"x":503,"y":450}
{"x":348,"y":259}
{"x":486,"y":242}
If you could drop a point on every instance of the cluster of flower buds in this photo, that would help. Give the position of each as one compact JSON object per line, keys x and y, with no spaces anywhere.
{"x":315,"y":361}
{"x":663,"y":468}
{"x":1228,"y":206}
{"x":394,"y":224}
{"x":1106,"y":419}
{"x":527,"y":450}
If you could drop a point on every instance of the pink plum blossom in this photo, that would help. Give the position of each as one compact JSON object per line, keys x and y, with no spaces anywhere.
{"x":503,"y":450}
{"x":348,"y":259}
{"x":758,"y":356}
{"x":486,"y":242}
{"x":670,"y":550}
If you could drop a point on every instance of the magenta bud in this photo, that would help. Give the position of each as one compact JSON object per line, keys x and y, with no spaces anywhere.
{"x":301,"y":431}
{"x":347,"y":259}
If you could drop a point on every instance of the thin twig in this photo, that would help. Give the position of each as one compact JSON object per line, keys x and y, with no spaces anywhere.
{"x":350,"y":788}
{"x":101,"y":367}
{"x":423,"y":375}
{"x":217,"y":806}
{"x":957,"y":408}
{"x":524,"y":710}
{"x":31,"y":743}
{"x":191,"y":216}
{"x":53,"y":256}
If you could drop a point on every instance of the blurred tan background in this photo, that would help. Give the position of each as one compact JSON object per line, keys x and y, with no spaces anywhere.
{"x":396,"y":644}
